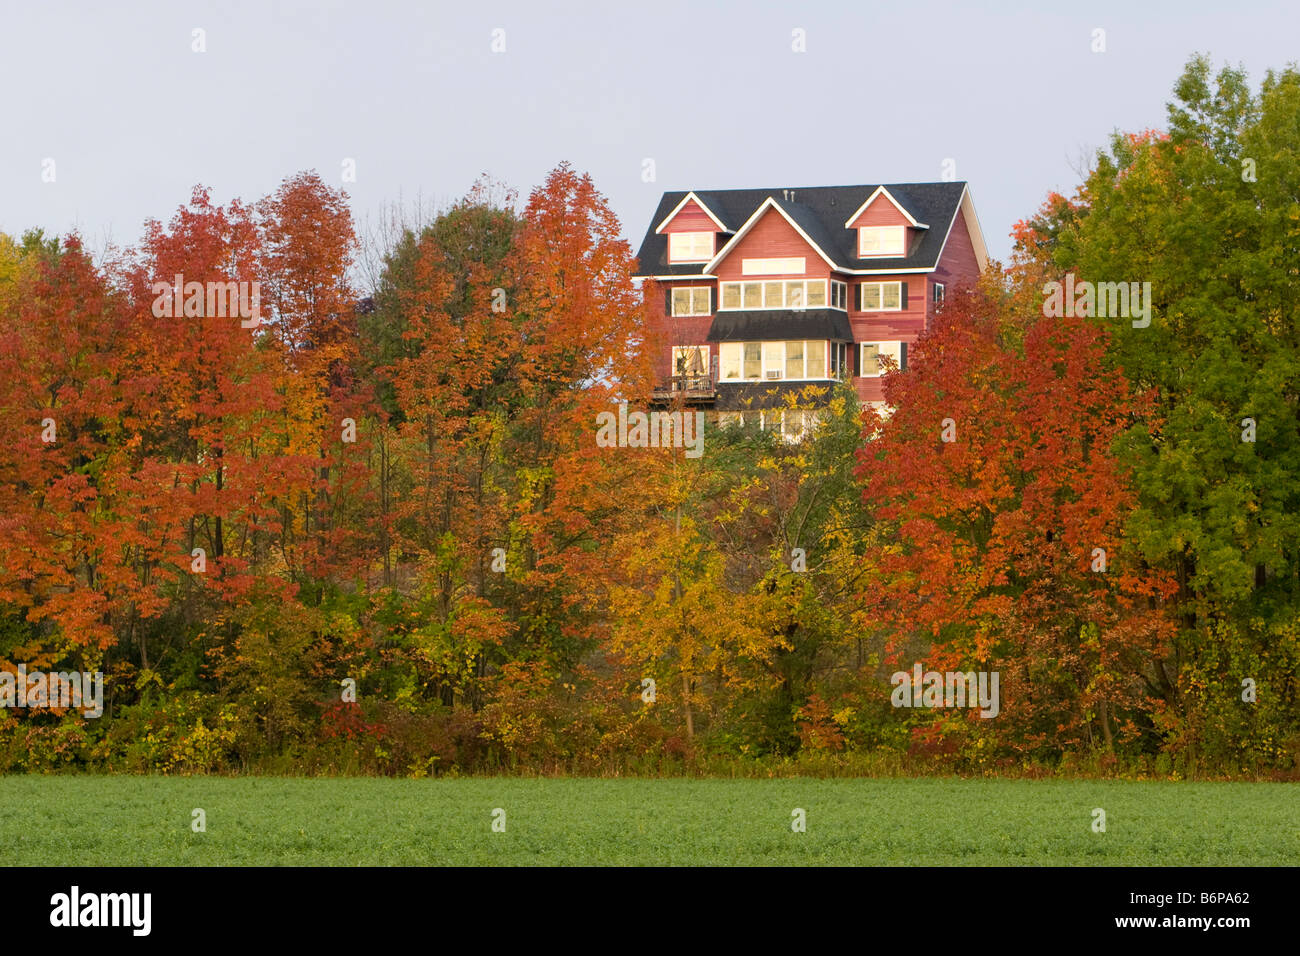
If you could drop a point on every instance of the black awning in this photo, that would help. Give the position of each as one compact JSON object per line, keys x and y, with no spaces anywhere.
{"x":774,"y":325}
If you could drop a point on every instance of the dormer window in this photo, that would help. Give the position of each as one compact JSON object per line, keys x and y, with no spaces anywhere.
{"x":876,"y":241}
{"x":690,"y":246}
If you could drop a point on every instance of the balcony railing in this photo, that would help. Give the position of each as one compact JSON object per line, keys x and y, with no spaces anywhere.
{"x":687,"y":386}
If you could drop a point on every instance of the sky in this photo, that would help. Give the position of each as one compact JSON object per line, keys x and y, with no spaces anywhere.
{"x":417,"y":100}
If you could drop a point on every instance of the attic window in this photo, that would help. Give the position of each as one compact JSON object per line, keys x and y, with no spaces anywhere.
{"x":690,"y":246}
{"x":876,"y":241}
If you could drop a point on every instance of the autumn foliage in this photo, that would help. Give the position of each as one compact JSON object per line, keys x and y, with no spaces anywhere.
{"x":369,"y":529}
{"x":1006,"y":507}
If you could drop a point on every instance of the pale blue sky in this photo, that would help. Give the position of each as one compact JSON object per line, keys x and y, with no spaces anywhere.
{"x":711,"y":91}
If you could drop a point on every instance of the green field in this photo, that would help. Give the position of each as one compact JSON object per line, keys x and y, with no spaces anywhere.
{"x":123,"y":821}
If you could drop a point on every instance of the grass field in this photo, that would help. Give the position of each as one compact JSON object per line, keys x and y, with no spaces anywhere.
{"x":125,"y":821}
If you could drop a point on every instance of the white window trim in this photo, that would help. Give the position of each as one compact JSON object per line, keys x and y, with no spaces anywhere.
{"x":830,"y":295}
{"x":766,"y":355}
{"x":897,"y":308}
{"x":772,"y":363}
{"x":939,"y":293}
{"x":713,"y":238}
{"x":762,"y":295}
{"x":731,"y":348}
{"x":896,"y":354}
{"x":871,"y":254}
{"x":834,"y":353}
{"x":692,"y":289}
{"x":797,"y":266}
{"x":687,"y":349}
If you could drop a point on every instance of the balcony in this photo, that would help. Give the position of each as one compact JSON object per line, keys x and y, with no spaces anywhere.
{"x":690,"y":388}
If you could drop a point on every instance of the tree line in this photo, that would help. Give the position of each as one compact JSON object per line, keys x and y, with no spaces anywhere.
{"x":373,"y":532}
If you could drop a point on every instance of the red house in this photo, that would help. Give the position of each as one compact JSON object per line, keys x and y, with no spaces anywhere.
{"x":761,"y":292}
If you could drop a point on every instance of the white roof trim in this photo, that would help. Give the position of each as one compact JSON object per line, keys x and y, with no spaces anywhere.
{"x":768,"y":203}
{"x":972,"y":228}
{"x":699,"y":202}
{"x":897,"y":205}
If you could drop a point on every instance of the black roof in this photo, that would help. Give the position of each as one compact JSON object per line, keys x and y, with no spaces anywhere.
{"x":820,"y":211}
{"x":756,"y":325}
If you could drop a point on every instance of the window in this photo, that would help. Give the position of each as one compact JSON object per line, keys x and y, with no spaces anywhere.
{"x":692,"y":300}
{"x":729,"y":358}
{"x":839,"y":359}
{"x":880,"y":241}
{"x":690,"y":246}
{"x":774,"y":360}
{"x":871,"y":365}
{"x":798,"y":423}
{"x":881,"y":297}
{"x":790,"y":294}
{"x":692,"y":360}
{"x":815,"y":356}
{"x":773,"y":267}
{"x":752,"y":361}
{"x":839,"y":295}
{"x":794,"y":364}
{"x":792,"y":424}
{"x":938,"y":293}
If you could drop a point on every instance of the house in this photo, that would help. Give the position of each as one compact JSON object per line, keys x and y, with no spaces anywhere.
{"x":757,"y":293}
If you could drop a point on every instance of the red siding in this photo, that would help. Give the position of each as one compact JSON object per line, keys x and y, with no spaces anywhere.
{"x":901,"y":326}
{"x":669,"y":331}
{"x":957,"y":265}
{"x":691,"y":218}
{"x":881,"y":212}
{"x":772,"y":238}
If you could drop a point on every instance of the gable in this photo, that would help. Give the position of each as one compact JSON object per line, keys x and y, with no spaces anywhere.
{"x":691,"y":215}
{"x":771,"y":235}
{"x":880,"y":214}
{"x":964,"y":256}
{"x":691,"y":218}
{"x":882,"y":208}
